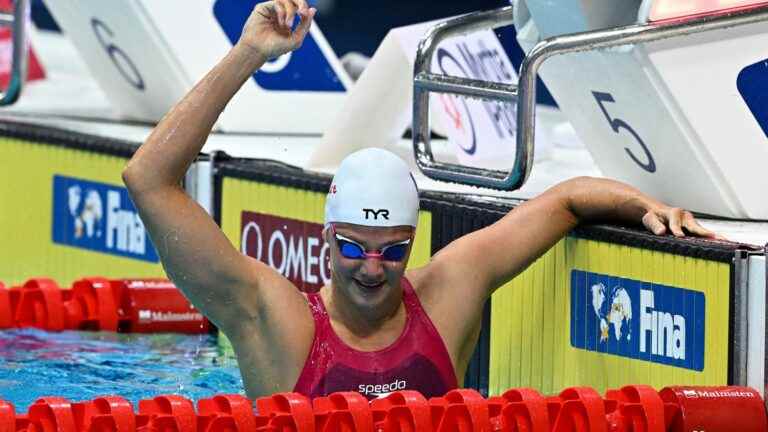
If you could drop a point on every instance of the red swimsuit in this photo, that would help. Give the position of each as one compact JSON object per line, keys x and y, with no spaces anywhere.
{"x":417,"y":360}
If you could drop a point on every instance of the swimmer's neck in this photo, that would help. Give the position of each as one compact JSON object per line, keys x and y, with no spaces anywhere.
{"x":363,"y":322}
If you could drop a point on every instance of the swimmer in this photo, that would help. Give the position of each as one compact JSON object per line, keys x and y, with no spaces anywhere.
{"x":375,"y":327}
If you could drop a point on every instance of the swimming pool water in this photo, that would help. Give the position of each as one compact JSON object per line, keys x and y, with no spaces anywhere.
{"x":84,"y":365}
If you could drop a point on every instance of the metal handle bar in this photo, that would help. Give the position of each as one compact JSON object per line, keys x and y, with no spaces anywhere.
{"x":525,"y":91}
{"x":18,"y":23}
{"x":425,"y":82}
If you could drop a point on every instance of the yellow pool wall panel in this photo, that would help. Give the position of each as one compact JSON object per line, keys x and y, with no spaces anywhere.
{"x":26,"y":174}
{"x":530,"y":320}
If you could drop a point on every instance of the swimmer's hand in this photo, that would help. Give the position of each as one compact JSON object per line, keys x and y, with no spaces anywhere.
{"x":268,"y":30}
{"x":662,"y":219}
{"x":603,"y":200}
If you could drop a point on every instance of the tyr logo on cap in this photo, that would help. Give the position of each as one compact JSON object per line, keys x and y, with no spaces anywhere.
{"x":376,"y":213}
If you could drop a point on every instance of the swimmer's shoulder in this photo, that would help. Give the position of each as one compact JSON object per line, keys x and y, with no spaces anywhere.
{"x":425,"y":281}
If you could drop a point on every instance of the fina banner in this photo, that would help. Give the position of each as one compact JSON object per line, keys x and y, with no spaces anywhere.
{"x":606,"y":315}
{"x":72,"y":217}
{"x":99,"y":217}
{"x":637,"y":319}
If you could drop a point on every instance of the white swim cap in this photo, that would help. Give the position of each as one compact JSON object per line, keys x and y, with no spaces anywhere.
{"x":373,"y":187}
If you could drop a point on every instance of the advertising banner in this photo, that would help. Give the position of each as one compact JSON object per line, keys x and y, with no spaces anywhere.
{"x":292,"y":247}
{"x":605,"y":315}
{"x":637,"y":319}
{"x":480,"y":132}
{"x":66,"y":213}
{"x":98,"y":217}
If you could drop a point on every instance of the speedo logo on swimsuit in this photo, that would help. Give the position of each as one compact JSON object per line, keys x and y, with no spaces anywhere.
{"x":381,"y":390}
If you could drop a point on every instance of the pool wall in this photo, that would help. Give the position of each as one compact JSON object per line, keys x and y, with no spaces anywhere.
{"x":50,"y":183}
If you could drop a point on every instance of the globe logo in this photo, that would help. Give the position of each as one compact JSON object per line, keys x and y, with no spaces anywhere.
{"x":87,"y":213}
{"x":614,"y":311}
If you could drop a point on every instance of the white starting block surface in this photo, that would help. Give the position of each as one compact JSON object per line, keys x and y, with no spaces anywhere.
{"x":680,"y":118}
{"x":145,"y":55}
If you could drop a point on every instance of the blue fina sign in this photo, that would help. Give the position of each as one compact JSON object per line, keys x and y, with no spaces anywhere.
{"x":98,"y":217}
{"x":305,"y":70}
{"x":637,"y":319}
{"x":752,"y":83}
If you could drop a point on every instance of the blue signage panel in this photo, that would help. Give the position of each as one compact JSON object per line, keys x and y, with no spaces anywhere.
{"x":307,"y":68}
{"x":637,"y":319}
{"x":98,"y":217}
{"x":752,"y":83}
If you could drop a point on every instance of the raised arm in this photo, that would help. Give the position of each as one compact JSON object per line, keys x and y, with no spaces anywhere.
{"x":221,"y":282}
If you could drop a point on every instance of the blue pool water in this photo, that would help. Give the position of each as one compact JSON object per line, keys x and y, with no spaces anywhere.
{"x":84,"y":365}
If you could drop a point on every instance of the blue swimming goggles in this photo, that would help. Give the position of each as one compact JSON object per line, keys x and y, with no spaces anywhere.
{"x":353,"y":250}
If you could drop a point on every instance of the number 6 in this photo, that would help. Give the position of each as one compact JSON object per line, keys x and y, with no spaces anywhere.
{"x":116,"y":54}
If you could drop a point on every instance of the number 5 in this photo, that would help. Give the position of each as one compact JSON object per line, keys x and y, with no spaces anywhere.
{"x":617,"y":124}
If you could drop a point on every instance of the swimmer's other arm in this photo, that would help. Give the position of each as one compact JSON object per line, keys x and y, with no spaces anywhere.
{"x":463,"y":275}
{"x":488,"y":258}
{"x":221,"y":282}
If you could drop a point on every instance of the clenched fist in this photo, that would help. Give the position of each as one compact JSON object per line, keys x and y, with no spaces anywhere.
{"x":268,"y":30}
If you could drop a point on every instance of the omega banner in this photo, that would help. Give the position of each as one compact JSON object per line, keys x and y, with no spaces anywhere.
{"x":294,"y":248}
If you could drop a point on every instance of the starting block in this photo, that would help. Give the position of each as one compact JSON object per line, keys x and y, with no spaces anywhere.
{"x":680,"y":114}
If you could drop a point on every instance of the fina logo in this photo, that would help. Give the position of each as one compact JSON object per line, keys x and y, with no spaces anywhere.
{"x":636,"y":319}
{"x":98,"y":217}
{"x":307,"y":70}
{"x":87,"y":213}
{"x":665,"y":330}
{"x":618,"y":315}
{"x":295,"y":249}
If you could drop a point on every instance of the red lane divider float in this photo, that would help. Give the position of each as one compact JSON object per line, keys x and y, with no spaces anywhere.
{"x":577,"y":409}
{"x":7,"y":303}
{"x":124,"y":305}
